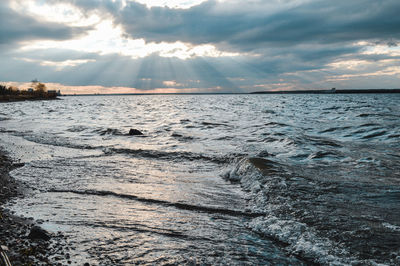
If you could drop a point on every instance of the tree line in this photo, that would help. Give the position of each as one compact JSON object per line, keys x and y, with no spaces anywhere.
{"x":38,"y":90}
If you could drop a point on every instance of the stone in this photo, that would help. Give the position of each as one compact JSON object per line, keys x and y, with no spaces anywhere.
{"x":134,"y":132}
{"x":39,"y":233}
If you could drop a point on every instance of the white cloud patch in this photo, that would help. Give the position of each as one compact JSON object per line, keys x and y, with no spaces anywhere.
{"x":172,"y":83}
{"x":169,"y":3}
{"x":58,"y":65}
{"x":65,"y":13}
{"x":107,"y":38}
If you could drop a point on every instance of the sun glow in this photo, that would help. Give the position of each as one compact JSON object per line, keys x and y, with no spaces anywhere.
{"x":171,"y":3}
{"x":64,"y":13}
{"x":107,"y":38}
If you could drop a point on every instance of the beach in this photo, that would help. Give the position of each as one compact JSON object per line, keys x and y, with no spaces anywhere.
{"x":16,"y":240}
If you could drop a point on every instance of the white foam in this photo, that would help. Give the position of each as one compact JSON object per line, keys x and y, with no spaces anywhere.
{"x":391,"y":227}
{"x":301,"y":239}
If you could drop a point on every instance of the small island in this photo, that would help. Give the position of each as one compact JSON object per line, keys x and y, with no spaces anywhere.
{"x":38,"y":91}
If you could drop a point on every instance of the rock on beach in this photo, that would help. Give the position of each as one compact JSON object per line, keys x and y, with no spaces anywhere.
{"x":37,"y":233}
{"x":135,"y":132}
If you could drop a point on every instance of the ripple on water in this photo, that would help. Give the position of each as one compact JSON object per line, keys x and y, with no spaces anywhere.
{"x":308,"y":179}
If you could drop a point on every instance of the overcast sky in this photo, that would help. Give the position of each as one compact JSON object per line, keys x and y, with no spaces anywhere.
{"x":111,"y":46}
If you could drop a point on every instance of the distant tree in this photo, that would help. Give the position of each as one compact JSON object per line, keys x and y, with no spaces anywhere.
{"x":3,"y":89}
{"x":40,"y":88}
{"x":11,"y":90}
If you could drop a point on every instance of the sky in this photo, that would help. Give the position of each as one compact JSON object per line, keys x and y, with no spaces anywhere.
{"x":138,"y":46}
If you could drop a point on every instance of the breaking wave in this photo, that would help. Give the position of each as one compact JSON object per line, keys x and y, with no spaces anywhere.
{"x":328,"y":222}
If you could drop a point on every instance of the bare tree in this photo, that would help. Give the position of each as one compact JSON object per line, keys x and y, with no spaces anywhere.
{"x":40,"y":88}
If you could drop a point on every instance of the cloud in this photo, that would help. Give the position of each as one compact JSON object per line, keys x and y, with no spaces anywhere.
{"x":172,"y":83}
{"x":16,"y":27}
{"x":255,"y":26}
{"x":250,"y":25}
{"x":229,"y":46}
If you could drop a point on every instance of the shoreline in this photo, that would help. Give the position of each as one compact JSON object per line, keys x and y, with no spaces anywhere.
{"x":17,"y":238}
{"x":23,"y":99}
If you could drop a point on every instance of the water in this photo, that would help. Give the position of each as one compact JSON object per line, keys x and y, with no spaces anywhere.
{"x":215,"y":179}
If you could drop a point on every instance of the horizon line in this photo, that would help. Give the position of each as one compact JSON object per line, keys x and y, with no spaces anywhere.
{"x":328,"y":91}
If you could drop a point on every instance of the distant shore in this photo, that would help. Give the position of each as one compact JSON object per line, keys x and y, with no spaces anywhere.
{"x":19,"y":98}
{"x":38,"y":92}
{"x":332,"y":91}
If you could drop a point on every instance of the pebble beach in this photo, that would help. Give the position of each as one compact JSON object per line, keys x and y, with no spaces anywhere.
{"x":21,"y":238}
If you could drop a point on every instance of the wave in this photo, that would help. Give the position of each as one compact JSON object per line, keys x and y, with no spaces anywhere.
{"x":3,"y":130}
{"x":141,"y":228}
{"x":98,"y":131}
{"x":332,"y":108}
{"x":333,"y":129}
{"x":323,"y":154}
{"x":181,"y":136}
{"x":366,"y":115}
{"x":269,"y":111}
{"x":170,"y":155}
{"x":375,"y":134}
{"x":394,"y":136}
{"x":318,"y":218}
{"x":266,"y":187}
{"x":109,"y":131}
{"x":77,"y":128}
{"x":369,"y":125}
{"x":178,"y":205}
{"x":276,"y":124}
{"x":110,"y":150}
{"x":213,"y":124}
{"x":56,"y":141}
{"x":394,"y":115}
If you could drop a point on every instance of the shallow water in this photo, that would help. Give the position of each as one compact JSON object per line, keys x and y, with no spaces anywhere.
{"x":229,"y":179}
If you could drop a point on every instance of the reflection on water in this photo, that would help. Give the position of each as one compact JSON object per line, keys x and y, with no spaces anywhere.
{"x":230,"y":179}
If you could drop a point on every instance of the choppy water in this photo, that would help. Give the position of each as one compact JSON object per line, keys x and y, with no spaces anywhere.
{"x":216,"y":179}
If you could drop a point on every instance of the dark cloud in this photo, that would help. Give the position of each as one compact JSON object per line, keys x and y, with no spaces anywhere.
{"x":231,"y":24}
{"x":309,"y":31}
{"x":15,"y":27}
{"x":303,"y":33}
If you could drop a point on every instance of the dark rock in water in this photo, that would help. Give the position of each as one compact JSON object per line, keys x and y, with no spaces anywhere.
{"x":264,"y":154}
{"x":134,"y":132}
{"x":17,"y":165}
{"x":39,"y":233}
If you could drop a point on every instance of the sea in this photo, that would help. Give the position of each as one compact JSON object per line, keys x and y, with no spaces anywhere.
{"x":283,"y":179}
